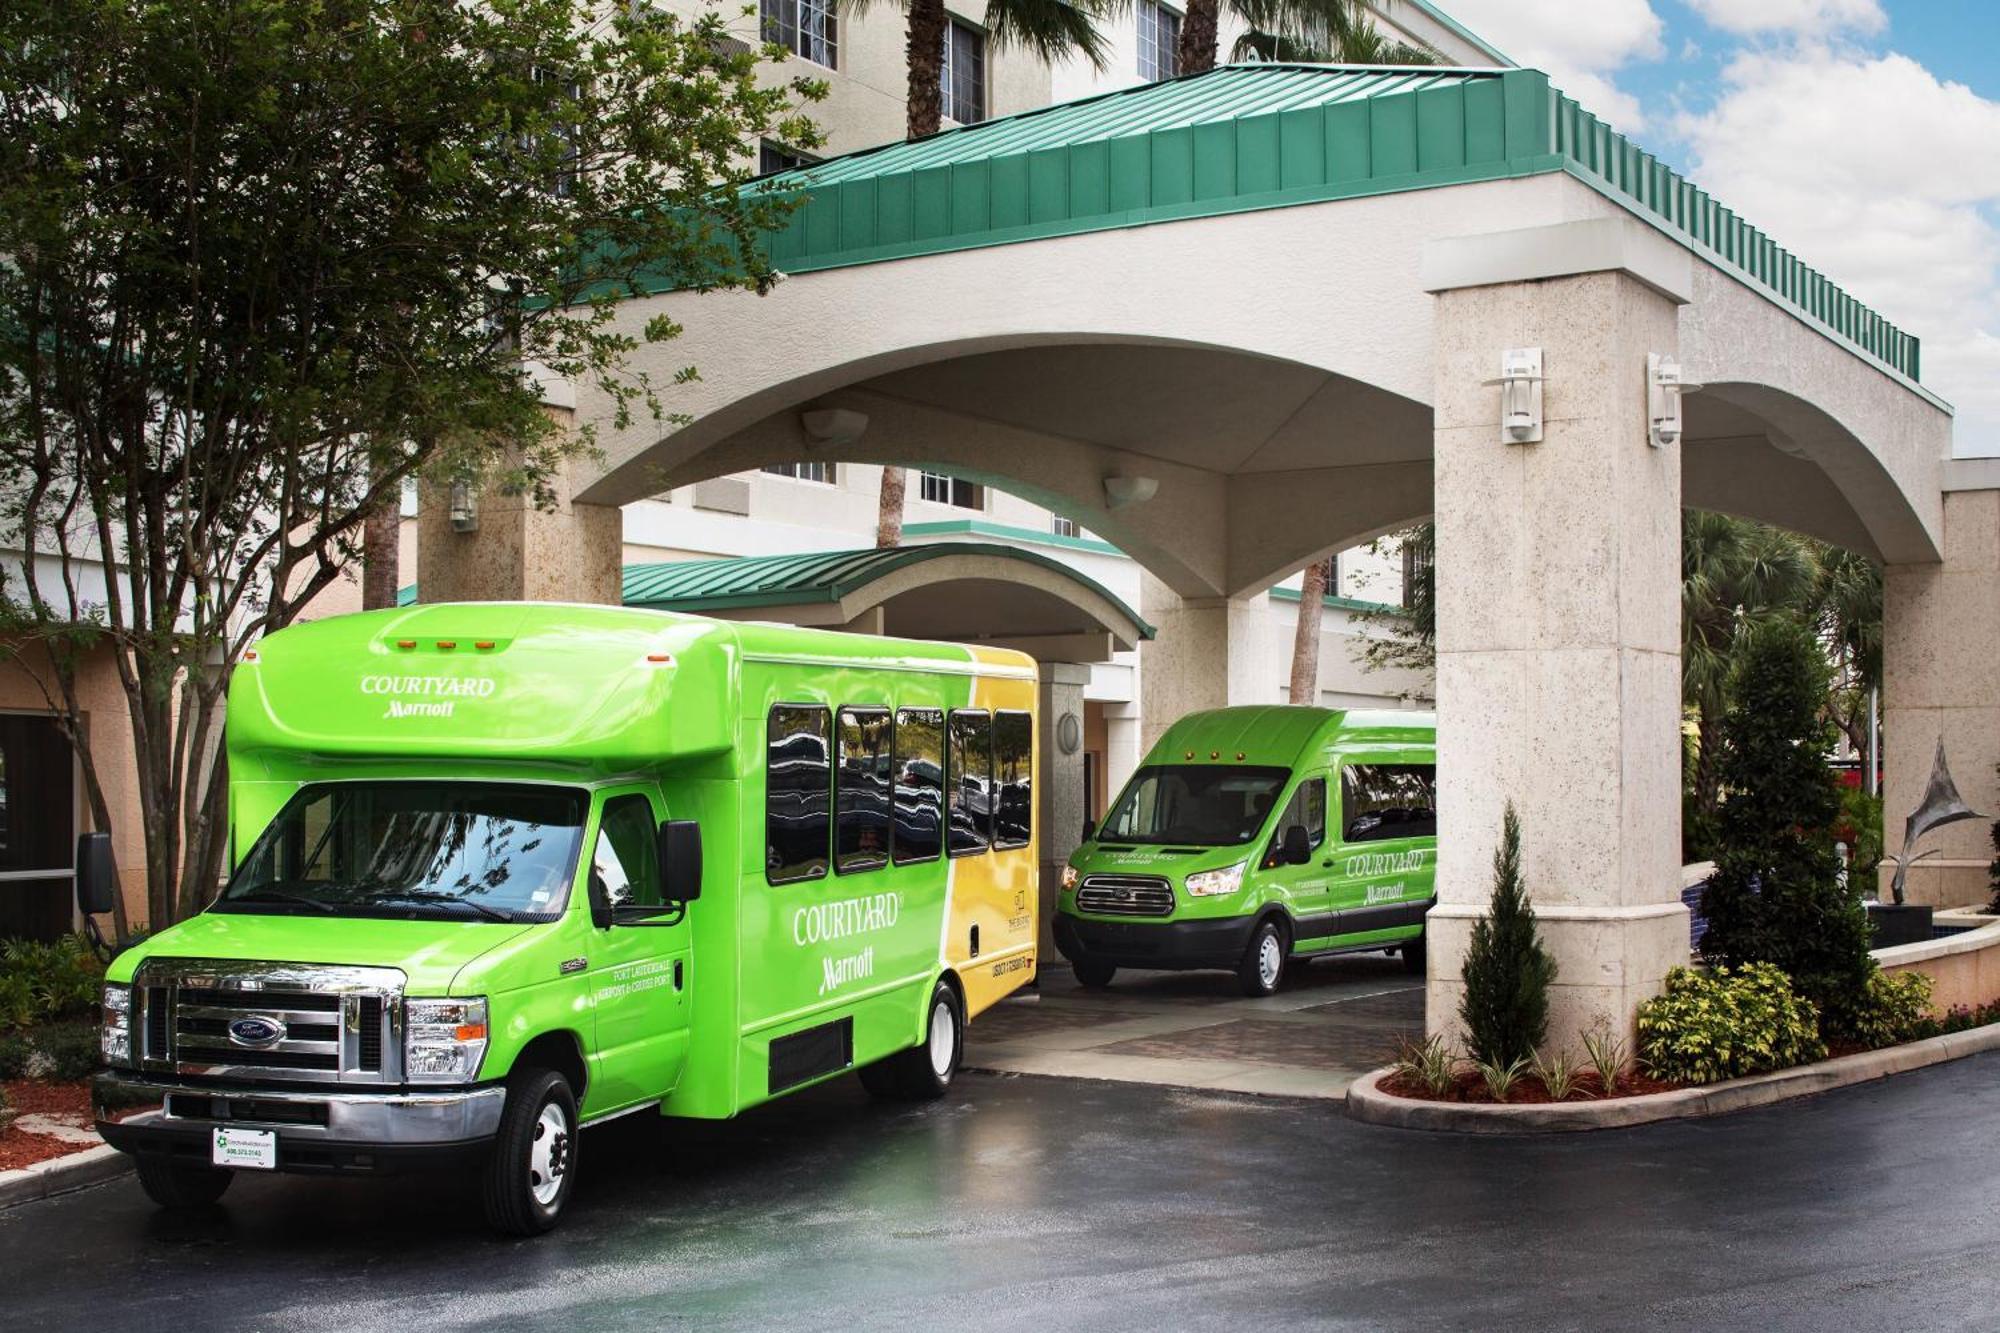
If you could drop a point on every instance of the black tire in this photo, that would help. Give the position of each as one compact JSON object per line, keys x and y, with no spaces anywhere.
{"x":1093,"y":975}
{"x":181,"y":1185}
{"x":1262,"y":970}
{"x":1413,"y":956}
{"x":915,"y":1075}
{"x":534,"y":1150}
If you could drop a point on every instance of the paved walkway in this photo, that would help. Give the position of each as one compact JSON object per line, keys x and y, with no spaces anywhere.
{"x":1334,"y":1021}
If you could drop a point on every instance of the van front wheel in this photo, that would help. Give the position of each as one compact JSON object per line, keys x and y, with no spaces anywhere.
{"x":533,"y":1166}
{"x":925,"y":1071}
{"x":181,"y":1185}
{"x":1262,"y":970}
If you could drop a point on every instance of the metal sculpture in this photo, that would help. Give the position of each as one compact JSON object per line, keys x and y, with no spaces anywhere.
{"x":1941,"y":805}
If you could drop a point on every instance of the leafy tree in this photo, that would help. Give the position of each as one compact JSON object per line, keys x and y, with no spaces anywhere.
{"x":1507,"y":972}
{"x":261,"y":262}
{"x":1777,"y":894}
{"x":1283,"y":30}
{"x":1409,"y":640}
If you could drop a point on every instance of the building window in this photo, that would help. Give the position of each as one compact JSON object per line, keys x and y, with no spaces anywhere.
{"x":970,"y":775}
{"x":1064,"y":527}
{"x":1013,"y":778}
{"x":820,"y":472}
{"x":919,"y":784}
{"x":963,"y":83}
{"x":1159,"y":41}
{"x":796,"y":792}
{"x":773,"y":158}
{"x":940,"y":489}
{"x":861,"y":794}
{"x":37,"y":828}
{"x":803,"y":27}
{"x":1416,"y":565}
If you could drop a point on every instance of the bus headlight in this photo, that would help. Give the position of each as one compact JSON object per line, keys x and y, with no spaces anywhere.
{"x":1069,"y":877}
{"x":114,"y":1033}
{"x":1213,"y":883}
{"x":443,"y":1040}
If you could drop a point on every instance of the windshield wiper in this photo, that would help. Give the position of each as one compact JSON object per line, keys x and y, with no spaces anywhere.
{"x":421,"y":896}
{"x":270,"y":894}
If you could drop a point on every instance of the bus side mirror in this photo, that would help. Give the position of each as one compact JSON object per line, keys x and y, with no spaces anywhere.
{"x":1296,"y":846}
{"x":96,"y":874}
{"x":680,"y":861}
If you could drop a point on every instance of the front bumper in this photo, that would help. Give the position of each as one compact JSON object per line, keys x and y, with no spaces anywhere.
{"x":1170,"y":945}
{"x":318,"y":1131}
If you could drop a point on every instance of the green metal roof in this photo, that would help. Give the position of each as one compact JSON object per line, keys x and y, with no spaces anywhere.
{"x":745,"y":582}
{"x":1244,"y":137}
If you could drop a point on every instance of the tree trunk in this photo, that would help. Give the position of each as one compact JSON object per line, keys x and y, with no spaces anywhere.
{"x":889,"y":510}
{"x":925,"y":53}
{"x":1305,"y":643}
{"x":1198,"y":38}
{"x":381,"y":554}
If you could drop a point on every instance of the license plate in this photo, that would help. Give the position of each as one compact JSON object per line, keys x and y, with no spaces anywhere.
{"x":254,"y":1148}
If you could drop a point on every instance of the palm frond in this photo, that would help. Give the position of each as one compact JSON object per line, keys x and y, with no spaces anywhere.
{"x":1053,"y":29}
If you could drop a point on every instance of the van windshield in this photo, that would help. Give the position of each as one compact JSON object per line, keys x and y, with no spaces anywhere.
{"x":442,"y":850}
{"x":1194,"y":805}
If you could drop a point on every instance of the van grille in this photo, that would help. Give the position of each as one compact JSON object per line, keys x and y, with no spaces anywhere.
{"x":1125,"y":895}
{"x":334,"y":1023}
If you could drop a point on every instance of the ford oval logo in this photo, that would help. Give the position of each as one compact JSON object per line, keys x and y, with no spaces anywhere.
{"x":257,"y":1032}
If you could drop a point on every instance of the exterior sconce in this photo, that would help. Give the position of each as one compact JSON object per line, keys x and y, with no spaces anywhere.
{"x":464,"y":511}
{"x":1664,"y":390}
{"x":1122,"y":491}
{"x":1520,"y":384}
{"x":833,"y":425}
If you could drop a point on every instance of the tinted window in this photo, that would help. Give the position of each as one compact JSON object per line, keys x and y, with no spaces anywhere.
{"x":1381,"y":801}
{"x":624,"y":870}
{"x":797,"y":792}
{"x":1194,"y":805}
{"x":861,"y":794}
{"x":969,"y":773}
{"x":1307,"y":810}
{"x":1013,"y":771}
{"x":919,"y":784}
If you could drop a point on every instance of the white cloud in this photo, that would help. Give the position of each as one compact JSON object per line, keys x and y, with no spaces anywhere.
{"x":1886,"y":179}
{"x":1799,"y":18}
{"x":1580,"y":46}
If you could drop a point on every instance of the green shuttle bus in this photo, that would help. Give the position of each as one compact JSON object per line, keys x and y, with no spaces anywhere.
{"x":1254,"y":836}
{"x":503,"y":871}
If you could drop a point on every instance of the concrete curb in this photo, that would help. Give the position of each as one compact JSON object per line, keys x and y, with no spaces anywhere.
{"x":1366,"y":1102}
{"x":60,"y":1175}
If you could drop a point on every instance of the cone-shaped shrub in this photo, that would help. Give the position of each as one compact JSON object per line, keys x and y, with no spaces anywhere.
{"x":1507,"y":971}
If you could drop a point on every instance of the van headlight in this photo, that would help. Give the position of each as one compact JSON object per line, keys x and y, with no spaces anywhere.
{"x":1069,"y":877}
{"x":114,"y":1033}
{"x":1213,"y":883}
{"x":443,"y":1040}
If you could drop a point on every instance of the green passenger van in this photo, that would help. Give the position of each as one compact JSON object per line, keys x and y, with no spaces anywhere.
{"x":1250,"y":837}
{"x":503,"y":871}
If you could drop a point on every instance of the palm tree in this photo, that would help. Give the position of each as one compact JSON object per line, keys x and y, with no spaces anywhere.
{"x":1051,"y":30}
{"x":1292,"y":30}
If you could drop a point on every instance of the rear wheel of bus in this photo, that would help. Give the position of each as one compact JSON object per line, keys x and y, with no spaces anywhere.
{"x":533,"y":1167}
{"x":1413,"y":956}
{"x":1262,"y":970}
{"x":925,"y":1071}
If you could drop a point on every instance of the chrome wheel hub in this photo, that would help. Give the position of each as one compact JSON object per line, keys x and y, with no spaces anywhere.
{"x":944,"y":1039}
{"x":1270,"y":957}
{"x":549,"y":1155}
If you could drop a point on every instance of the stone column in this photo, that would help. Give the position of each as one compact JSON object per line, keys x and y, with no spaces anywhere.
{"x":1059,"y":802}
{"x":1205,"y":655}
{"x":516,"y":552}
{"x":1558,"y":675}
{"x":1941,"y":678}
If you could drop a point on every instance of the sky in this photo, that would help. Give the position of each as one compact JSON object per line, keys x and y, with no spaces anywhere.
{"x":1863,"y":135}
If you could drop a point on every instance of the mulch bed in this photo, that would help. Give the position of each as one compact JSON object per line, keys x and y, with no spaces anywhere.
{"x":1528,"y":1091}
{"x":70,"y":1101}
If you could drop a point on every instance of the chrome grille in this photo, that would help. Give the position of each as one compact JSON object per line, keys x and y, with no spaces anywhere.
{"x":1125,"y":895}
{"x":325,"y":1024}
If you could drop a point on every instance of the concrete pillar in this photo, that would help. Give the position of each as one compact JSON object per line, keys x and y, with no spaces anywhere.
{"x":1059,"y":804}
{"x":1558,"y":675}
{"x":1941,"y":678}
{"x":517,"y":552}
{"x":1205,"y":655}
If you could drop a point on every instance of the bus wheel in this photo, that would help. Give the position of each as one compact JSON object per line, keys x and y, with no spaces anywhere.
{"x":181,"y":1185}
{"x":925,"y":1071}
{"x":1092,"y":974}
{"x":1262,"y":970}
{"x":533,"y":1166}
{"x":1413,"y":956}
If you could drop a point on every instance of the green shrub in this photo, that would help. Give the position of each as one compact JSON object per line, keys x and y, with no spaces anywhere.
{"x":17,"y":1001}
{"x":69,"y":1051}
{"x":15,"y":1053}
{"x":1896,"y":1007}
{"x":1712,"y":1025}
{"x":1507,"y":971}
{"x":59,"y":979}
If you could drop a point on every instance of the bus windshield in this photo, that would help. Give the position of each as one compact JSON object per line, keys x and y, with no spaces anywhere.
{"x":444,"y":850}
{"x":1194,"y":805}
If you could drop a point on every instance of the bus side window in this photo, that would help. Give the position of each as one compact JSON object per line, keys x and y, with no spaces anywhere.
{"x":861,"y":791}
{"x":919,"y":816}
{"x":1014,"y":768}
{"x":797,"y":793}
{"x":969,"y":780}
{"x":623,"y":868}
{"x":1306,"y":809}
{"x":1382,"y":801}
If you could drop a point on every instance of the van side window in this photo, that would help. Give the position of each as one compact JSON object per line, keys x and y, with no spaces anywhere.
{"x":797,"y":793}
{"x":1307,"y":810}
{"x":1381,"y":801}
{"x":624,"y":870}
{"x":919,"y":815}
{"x":969,"y":780}
{"x":861,"y":790}
{"x":1013,"y":771}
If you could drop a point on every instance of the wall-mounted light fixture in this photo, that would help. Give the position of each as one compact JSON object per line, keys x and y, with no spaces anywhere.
{"x":1122,"y":491}
{"x":464,"y":510}
{"x":833,"y":425}
{"x":1520,"y":382}
{"x":1664,"y":390}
